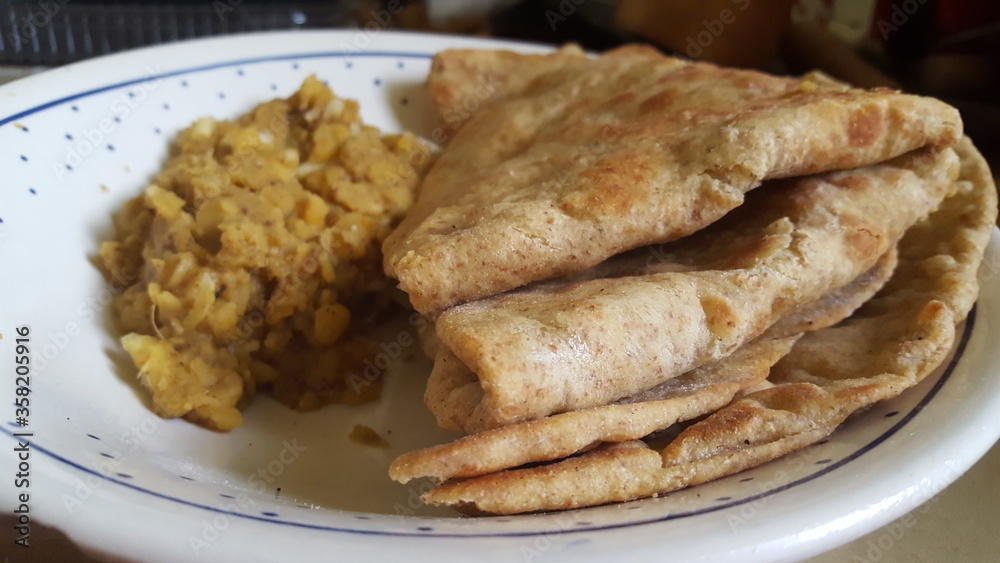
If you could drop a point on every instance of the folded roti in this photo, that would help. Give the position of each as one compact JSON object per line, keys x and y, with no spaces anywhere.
{"x":890,"y":344}
{"x":564,"y":345}
{"x":567,"y":160}
{"x":700,"y":391}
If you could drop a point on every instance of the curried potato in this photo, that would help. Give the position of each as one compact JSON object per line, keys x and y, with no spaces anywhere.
{"x":250,"y":255}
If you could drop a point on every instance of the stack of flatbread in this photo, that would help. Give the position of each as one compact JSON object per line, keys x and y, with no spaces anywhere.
{"x":618,"y":245}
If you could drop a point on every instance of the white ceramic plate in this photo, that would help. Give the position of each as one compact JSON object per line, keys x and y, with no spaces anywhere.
{"x":80,"y":140}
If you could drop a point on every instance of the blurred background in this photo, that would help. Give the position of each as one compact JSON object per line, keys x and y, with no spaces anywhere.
{"x":945,"y":48}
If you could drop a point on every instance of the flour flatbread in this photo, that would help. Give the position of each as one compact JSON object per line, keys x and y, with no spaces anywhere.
{"x":700,"y":391}
{"x":558,"y":347}
{"x":463,"y":82}
{"x":890,"y":344}
{"x":839,"y":303}
{"x":697,"y":392}
{"x":586,"y":158}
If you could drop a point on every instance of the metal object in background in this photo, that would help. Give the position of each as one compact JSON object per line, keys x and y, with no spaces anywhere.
{"x":52,"y":32}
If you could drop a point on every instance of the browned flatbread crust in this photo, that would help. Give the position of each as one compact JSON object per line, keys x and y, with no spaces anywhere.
{"x":697,"y":392}
{"x":839,"y":303}
{"x":794,"y":243}
{"x":700,"y":391}
{"x":890,"y":344}
{"x":589,"y":157}
{"x":461,"y":84}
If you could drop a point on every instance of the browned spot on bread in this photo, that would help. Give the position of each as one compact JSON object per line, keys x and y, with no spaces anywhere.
{"x":658,"y":101}
{"x":867,"y":125}
{"x":622,"y":98}
{"x":862,"y":240}
{"x":609,"y":189}
{"x":855,"y":183}
{"x":719,"y":316}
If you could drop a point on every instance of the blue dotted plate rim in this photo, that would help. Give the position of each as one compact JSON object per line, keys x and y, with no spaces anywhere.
{"x":960,"y":350}
{"x":256,"y":60}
